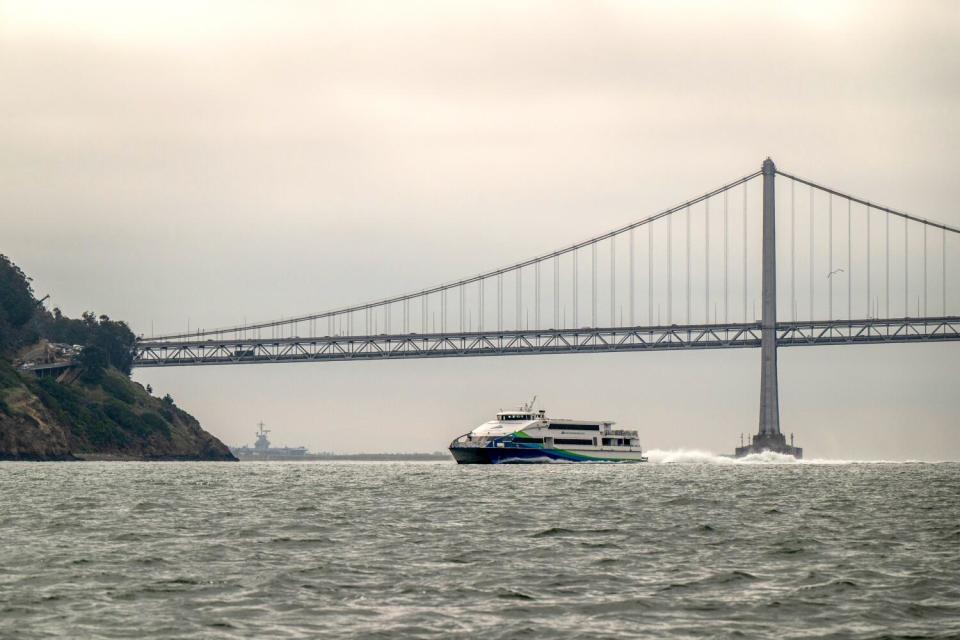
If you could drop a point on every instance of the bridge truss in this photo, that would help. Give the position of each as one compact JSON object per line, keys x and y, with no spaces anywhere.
{"x":586,"y":340}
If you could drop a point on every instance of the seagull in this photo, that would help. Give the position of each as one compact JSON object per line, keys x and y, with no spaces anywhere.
{"x":835,"y":271}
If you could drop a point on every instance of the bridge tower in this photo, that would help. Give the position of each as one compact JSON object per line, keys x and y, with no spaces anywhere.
{"x":768,"y":437}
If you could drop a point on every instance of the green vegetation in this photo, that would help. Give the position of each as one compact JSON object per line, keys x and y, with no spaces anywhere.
{"x":8,"y":380}
{"x":23,"y":321}
{"x":113,"y":423}
{"x":113,"y":340}
{"x":117,"y":387}
{"x":8,"y":376}
{"x":104,"y":409}
{"x":92,"y":409}
{"x":17,"y":305}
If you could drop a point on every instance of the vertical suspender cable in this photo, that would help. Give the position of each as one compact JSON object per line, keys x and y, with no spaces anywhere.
{"x":887,"y":265}
{"x":519,"y":293}
{"x":593,"y":284}
{"x":849,"y":263}
{"x":726,"y":298}
{"x":650,"y":275}
{"x":906,"y":268}
{"x":687,"y":321}
{"x":632,"y":306}
{"x":461,"y":308}
{"x":670,"y":269}
{"x":793,"y":251}
{"x":943,"y":277}
{"x":613,"y":280}
{"x":536,"y":315}
{"x":830,"y":258}
{"x":869,"y":300}
{"x":811,"y":255}
{"x":576,"y":285}
{"x":499,"y":302}
{"x":556,"y":292}
{"x":480,"y":303}
{"x":924,"y":271}
{"x":706,"y":261}
{"x":744,"y":251}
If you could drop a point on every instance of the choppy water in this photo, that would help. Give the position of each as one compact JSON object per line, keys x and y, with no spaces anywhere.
{"x":707,"y":548}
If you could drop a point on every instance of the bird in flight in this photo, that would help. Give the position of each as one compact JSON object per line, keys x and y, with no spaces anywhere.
{"x":835,"y":271}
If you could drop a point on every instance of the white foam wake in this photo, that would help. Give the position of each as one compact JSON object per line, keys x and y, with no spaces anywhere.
{"x":696,"y":456}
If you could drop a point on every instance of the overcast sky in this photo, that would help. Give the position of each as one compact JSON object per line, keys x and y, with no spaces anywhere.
{"x":178,"y":162}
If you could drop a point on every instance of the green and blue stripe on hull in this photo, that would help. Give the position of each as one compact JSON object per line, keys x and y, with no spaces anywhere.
{"x":520,"y":454}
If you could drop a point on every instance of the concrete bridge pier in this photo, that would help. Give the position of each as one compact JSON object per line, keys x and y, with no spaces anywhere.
{"x":769,"y":437}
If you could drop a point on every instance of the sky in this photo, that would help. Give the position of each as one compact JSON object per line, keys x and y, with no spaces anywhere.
{"x":207,"y":163}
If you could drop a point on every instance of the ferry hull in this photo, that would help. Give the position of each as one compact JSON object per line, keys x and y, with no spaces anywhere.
{"x":530,"y":455}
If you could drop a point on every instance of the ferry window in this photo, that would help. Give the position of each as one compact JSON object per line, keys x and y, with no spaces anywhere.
{"x":528,"y":440}
{"x":579,"y":441}
{"x":607,"y":442}
{"x":576,"y":427}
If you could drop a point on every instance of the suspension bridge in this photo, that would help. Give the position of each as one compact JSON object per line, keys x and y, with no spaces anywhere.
{"x":689,"y":277}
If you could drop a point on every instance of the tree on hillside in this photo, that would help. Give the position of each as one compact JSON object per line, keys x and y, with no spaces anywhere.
{"x":93,"y":362}
{"x":23,"y":320}
{"x":114,"y":338}
{"x":17,"y":304}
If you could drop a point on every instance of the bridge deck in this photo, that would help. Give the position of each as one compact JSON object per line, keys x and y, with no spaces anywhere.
{"x":501,"y":343}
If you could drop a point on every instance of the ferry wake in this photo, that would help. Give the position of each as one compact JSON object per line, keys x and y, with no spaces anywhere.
{"x":529,"y":436}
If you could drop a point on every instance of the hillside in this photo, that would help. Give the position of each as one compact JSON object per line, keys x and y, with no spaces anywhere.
{"x":86,"y":407}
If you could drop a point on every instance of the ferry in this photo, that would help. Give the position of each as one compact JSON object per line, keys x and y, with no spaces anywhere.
{"x":528,"y":436}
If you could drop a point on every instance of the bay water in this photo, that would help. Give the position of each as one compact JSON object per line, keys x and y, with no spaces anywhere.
{"x":687,"y":546}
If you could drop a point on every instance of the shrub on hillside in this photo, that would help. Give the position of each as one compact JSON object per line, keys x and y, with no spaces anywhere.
{"x":117,"y":388}
{"x":155,"y":423}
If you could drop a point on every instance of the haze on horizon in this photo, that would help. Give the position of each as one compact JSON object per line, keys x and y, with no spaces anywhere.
{"x":206,"y":163}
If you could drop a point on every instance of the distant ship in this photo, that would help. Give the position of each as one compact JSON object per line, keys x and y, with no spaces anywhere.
{"x":262,"y":449}
{"x":526,"y":435}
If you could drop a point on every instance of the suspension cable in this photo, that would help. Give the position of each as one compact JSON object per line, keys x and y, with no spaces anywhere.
{"x":345,"y":316}
{"x":867,"y":203}
{"x":476,"y":278}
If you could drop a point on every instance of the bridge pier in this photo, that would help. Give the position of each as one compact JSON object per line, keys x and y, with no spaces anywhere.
{"x":768,"y":437}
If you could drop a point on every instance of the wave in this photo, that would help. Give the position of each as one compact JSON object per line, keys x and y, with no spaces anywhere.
{"x":697,"y":456}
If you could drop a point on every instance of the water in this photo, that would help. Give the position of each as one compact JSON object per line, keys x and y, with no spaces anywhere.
{"x":706,"y":548}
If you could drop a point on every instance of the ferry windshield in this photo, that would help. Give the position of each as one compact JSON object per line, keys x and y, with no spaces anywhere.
{"x":506,"y":417}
